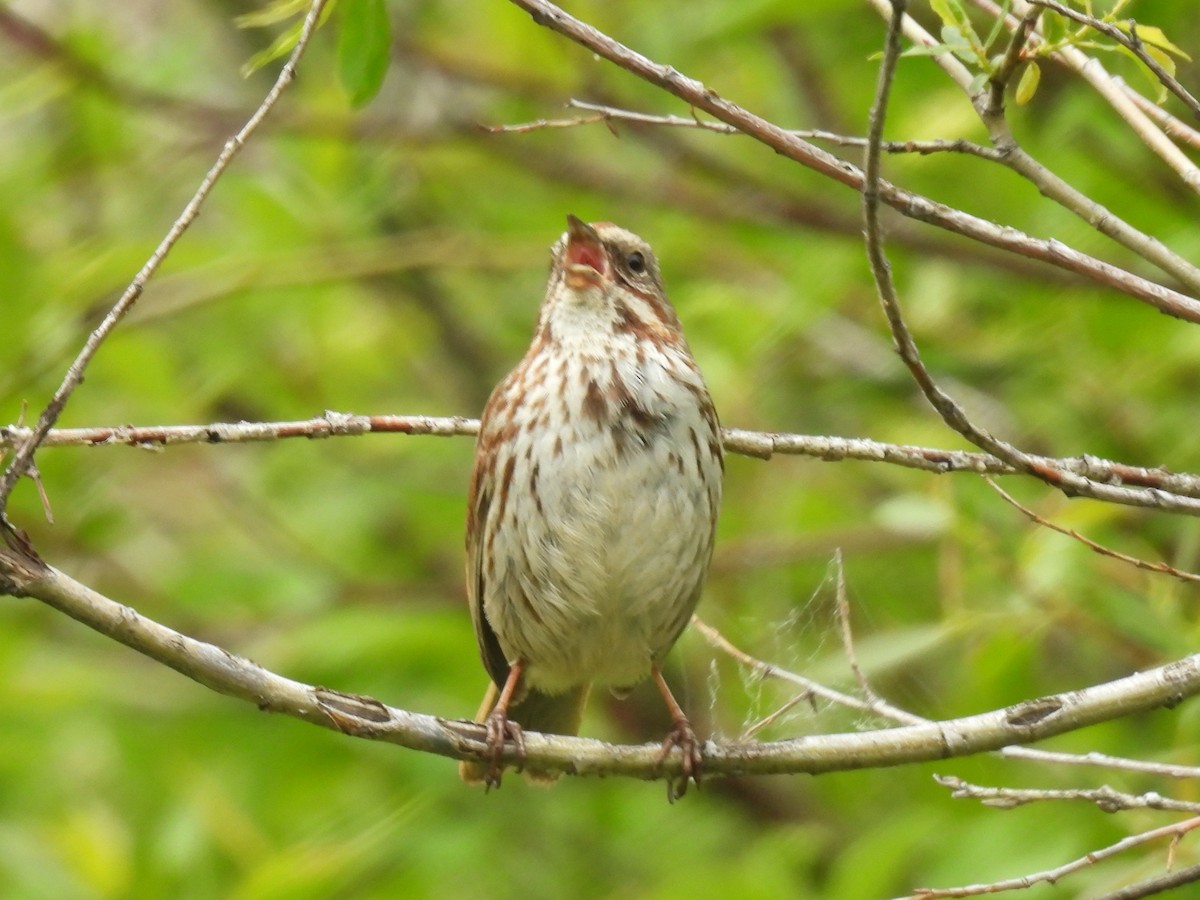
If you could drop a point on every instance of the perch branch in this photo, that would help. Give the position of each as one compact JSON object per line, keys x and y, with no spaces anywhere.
{"x":23,"y":574}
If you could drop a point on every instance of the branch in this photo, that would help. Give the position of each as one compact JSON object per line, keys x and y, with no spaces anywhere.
{"x":1157,"y":885}
{"x":906,"y":203}
{"x":609,"y":114}
{"x":1170,"y":125}
{"x":1131,"y":42}
{"x":1052,"y":876}
{"x":950,"y":410}
{"x":23,"y":458}
{"x":1162,"y":487}
{"x":1105,"y":761}
{"x":1090,"y":70}
{"x":1161,"y":568}
{"x":23,"y":574}
{"x":991,"y":112}
{"x":1103,"y":797}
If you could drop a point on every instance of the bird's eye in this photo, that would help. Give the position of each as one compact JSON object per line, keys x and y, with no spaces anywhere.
{"x":636,"y":262}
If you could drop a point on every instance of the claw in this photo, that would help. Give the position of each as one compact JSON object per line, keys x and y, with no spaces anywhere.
{"x":692,"y":764}
{"x":500,"y":729}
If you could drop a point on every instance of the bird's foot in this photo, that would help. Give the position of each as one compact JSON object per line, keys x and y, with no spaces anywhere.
{"x":682,"y":736}
{"x":500,"y":730}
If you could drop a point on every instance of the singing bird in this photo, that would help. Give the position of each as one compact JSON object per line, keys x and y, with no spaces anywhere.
{"x":593,"y":500}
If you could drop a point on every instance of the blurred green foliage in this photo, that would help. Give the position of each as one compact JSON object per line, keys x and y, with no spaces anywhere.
{"x":391,"y":259}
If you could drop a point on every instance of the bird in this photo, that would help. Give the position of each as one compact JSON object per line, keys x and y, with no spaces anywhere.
{"x":592,"y":504}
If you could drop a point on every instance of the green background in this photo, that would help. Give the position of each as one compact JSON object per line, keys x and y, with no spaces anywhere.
{"x":390,"y":259}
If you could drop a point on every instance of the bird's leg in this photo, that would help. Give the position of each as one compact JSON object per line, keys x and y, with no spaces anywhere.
{"x":500,"y":729}
{"x":681,"y":736}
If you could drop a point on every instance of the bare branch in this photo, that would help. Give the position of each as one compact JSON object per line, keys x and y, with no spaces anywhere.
{"x":1161,"y":485}
{"x":1160,"y":567}
{"x":952,"y":412}
{"x":1051,"y":876}
{"x":1103,"y":797}
{"x":22,"y":574}
{"x":1171,"y":126}
{"x":331,"y":424}
{"x":23,"y":458}
{"x":908,"y":204}
{"x":1157,"y":885}
{"x":1104,"y":761}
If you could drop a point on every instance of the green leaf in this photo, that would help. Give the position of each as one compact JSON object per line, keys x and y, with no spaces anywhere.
{"x":1153,"y":37}
{"x":1028,"y":84}
{"x":1053,"y":27}
{"x":1162,"y":59}
{"x":272,"y":13}
{"x":949,"y":11}
{"x":279,"y":48}
{"x":284,"y":43}
{"x":1152,"y":81}
{"x":363,"y":49}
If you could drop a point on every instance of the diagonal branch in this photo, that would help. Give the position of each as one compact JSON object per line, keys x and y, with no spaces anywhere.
{"x":1131,"y":42}
{"x":989,"y":107}
{"x":20,"y":464}
{"x":1053,"y":876}
{"x":1161,"y":568}
{"x":950,"y":410}
{"x":908,"y":204}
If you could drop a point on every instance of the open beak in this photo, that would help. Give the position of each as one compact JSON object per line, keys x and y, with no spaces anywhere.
{"x":585,"y":263}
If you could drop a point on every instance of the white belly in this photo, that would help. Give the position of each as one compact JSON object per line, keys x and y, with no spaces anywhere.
{"x":598,"y":584}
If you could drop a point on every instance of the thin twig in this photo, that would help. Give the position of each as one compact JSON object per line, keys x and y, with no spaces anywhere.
{"x":1105,"y":761}
{"x":1160,"y":567}
{"x":20,"y":464}
{"x":1104,"y":797}
{"x":1013,"y":57}
{"x":809,"y":688}
{"x":542,"y":124}
{"x":847,"y":634}
{"x":1051,"y":876}
{"x":612,"y":113}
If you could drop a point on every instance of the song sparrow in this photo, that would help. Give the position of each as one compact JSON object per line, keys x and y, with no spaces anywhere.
{"x":593,"y":500}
